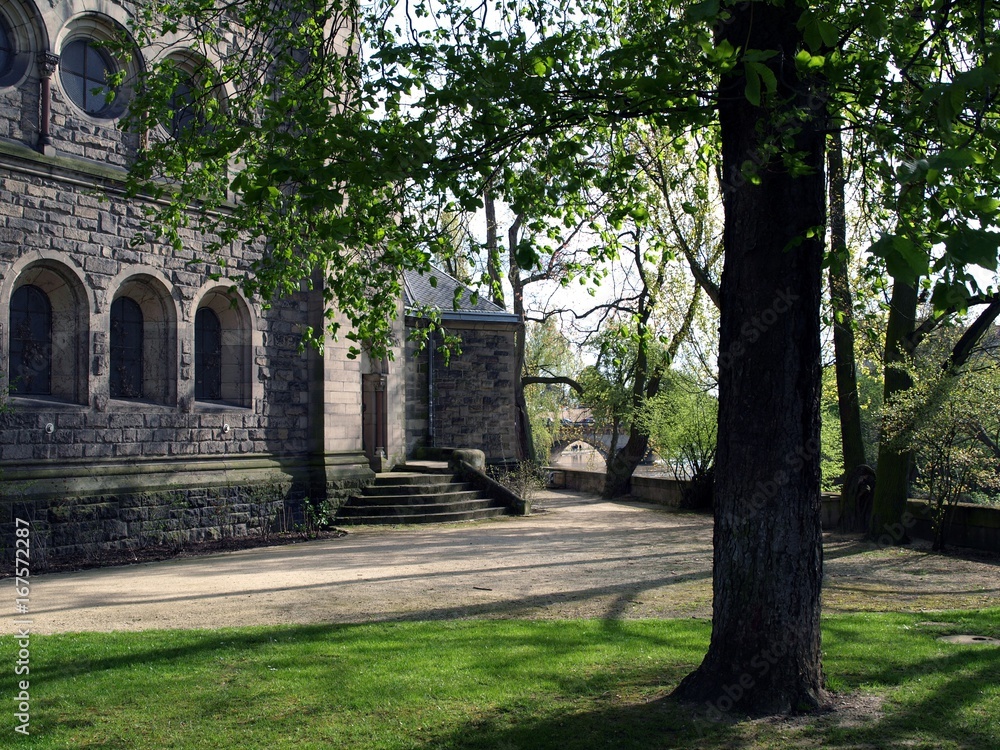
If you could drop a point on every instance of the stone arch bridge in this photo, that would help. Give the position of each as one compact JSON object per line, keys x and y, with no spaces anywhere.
{"x":594,"y":435}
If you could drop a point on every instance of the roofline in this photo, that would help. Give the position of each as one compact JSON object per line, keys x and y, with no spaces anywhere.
{"x":471,"y":316}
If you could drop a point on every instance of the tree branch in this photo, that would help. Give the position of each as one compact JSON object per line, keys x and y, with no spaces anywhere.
{"x":552,"y":380}
{"x":967,"y":344}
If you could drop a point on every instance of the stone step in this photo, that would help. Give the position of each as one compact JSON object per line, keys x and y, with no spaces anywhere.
{"x":416,"y":499}
{"x":402,"y":497}
{"x":435,"y":488}
{"x":446,"y":517}
{"x":406,"y":509}
{"x":397,"y":478}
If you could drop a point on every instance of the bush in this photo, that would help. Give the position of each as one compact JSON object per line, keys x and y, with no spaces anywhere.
{"x":525,"y":479}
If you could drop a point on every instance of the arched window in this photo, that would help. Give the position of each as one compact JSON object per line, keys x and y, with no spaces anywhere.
{"x":184,"y":114}
{"x":30,"y":342}
{"x":126,"y":349}
{"x":196,"y":94}
{"x":207,"y":355}
{"x":85,"y":70}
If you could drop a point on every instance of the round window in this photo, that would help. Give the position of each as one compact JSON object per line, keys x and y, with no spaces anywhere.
{"x":7,"y":50}
{"x":84,"y":70}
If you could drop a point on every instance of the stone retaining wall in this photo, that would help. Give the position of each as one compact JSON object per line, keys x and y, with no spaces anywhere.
{"x":972,"y":526}
{"x":87,"y":511}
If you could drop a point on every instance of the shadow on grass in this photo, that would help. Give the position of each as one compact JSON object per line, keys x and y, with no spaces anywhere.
{"x":661,"y":723}
{"x":940,"y":694}
{"x":580,"y":685}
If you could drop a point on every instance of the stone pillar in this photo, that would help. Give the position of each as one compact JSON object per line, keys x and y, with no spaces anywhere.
{"x":47,"y":64}
{"x":337,"y":458}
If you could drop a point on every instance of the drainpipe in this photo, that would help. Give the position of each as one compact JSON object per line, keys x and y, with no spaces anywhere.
{"x":430,"y":390}
{"x":381,"y":436}
{"x":47,"y":64}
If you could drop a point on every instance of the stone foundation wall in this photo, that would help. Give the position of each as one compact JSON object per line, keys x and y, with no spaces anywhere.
{"x":83,"y":511}
{"x":84,"y":527}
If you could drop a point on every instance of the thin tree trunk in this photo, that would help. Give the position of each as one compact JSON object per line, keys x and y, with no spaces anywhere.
{"x":894,"y":462}
{"x":621,"y":464}
{"x":764,"y":655}
{"x":842,"y":305}
{"x":858,"y":478}
{"x":493,"y":266}
{"x":525,"y":440}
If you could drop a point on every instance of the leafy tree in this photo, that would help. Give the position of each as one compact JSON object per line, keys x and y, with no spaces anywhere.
{"x":682,"y":421}
{"x":608,"y":385}
{"x":940,"y":420}
{"x":551,"y":358}
{"x":335,"y":164}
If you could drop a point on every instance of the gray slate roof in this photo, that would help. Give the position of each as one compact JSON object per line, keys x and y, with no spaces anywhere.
{"x":419,"y":293}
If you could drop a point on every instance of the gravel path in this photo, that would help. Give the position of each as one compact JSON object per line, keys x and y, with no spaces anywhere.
{"x":578,"y":557}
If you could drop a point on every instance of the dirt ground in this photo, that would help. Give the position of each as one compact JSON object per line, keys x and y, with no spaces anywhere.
{"x":578,"y":556}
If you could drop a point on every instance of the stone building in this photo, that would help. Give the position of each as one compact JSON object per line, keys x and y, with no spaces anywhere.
{"x":466,"y":399}
{"x":149,"y":401}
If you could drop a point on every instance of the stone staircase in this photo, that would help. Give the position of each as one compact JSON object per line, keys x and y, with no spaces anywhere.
{"x":399,"y":497}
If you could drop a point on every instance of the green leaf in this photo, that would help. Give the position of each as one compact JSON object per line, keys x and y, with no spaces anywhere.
{"x":976,"y":246}
{"x":703,"y":11}
{"x":905,"y":260}
{"x":950,"y":294}
{"x":829,"y":33}
{"x":987,"y":205}
{"x":766,"y":75}
{"x":752,"y":90}
{"x":526,"y":256}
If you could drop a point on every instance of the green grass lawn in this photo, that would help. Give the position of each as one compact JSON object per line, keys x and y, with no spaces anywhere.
{"x":486,"y":684}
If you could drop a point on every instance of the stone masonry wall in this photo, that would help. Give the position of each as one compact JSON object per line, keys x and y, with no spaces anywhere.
{"x":45,"y":224}
{"x":417,"y":403}
{"x":473,"y":394}
{"x":87,"y":528}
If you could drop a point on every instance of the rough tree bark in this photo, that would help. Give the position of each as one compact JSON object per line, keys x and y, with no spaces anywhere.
{"x":764,"y":655}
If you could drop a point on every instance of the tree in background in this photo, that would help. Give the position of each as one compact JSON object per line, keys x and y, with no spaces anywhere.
{"x":682,"y":421}
{"x":941,"y":419}
{"x":550,"y":364}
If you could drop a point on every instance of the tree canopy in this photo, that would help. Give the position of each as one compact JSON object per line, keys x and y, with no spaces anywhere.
{"x":339,"y":131}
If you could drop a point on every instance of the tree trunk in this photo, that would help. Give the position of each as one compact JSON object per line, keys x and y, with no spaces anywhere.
{"x":889,"y":522}
{"x":622,"y":463}
{"x":893,"y":475}
{"x":493,"y":265}
{"x":764,"y":655}
{"x":842,"y":306}
{"x":525,"y":440}
{"x":858,"y":478}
